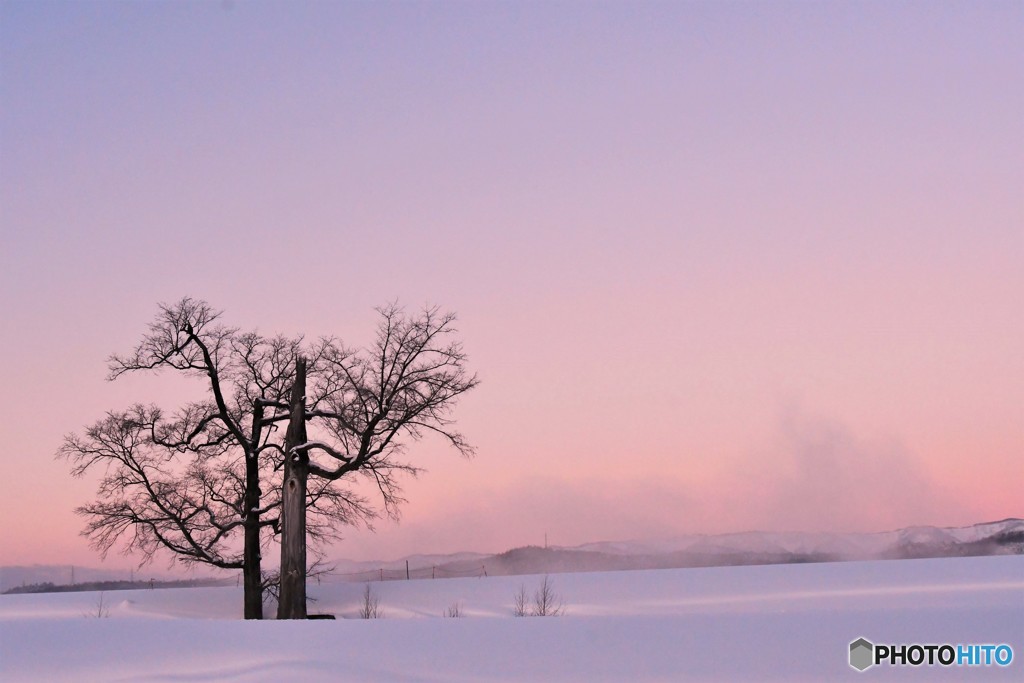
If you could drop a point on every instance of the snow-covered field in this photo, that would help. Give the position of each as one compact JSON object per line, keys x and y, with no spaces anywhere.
{"x":764,"y":623}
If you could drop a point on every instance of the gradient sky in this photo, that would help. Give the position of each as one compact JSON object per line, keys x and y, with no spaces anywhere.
{"x":720,"y":266}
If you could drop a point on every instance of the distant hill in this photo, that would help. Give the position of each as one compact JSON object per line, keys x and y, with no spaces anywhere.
{"x":24,"y":576}
{"x":48,"y":587}
{"x":1005,"y":537}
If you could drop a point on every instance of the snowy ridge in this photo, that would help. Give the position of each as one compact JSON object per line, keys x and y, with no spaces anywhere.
{"x":1005,"y":537}
{"x":854,"y":544}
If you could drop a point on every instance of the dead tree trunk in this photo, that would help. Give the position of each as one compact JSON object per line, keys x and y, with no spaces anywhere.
{"x":292,"y":601}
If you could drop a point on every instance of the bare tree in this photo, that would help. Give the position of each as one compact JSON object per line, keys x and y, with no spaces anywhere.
{"x":192,"y":481}
{"x":355,"y":411}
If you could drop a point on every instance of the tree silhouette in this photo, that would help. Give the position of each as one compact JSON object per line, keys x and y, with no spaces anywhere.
{"x":192,"y":481}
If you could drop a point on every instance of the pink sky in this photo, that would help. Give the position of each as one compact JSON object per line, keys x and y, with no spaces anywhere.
{"x":720,"y":266}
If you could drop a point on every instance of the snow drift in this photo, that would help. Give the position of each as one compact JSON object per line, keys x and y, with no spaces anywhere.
{"x":763,"y":623}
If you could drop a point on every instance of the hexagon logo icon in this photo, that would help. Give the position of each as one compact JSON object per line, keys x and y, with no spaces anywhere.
{"x":862,"y":654}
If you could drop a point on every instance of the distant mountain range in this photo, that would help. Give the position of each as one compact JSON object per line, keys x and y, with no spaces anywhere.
{"x":1005,"y":537}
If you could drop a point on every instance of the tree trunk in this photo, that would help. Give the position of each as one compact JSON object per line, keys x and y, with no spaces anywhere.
{"x":292,"y":601}
{"x":252,"y":574}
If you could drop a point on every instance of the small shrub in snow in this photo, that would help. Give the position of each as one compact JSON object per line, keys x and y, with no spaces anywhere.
{"x":101,"y":611}
{"x":546,"y":603}
{"x":370,"y":609}
{"x":519,"y":604}
{"x":454,"y":611}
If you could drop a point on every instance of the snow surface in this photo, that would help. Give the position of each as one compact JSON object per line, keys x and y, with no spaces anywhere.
{"x":764,"y":623}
